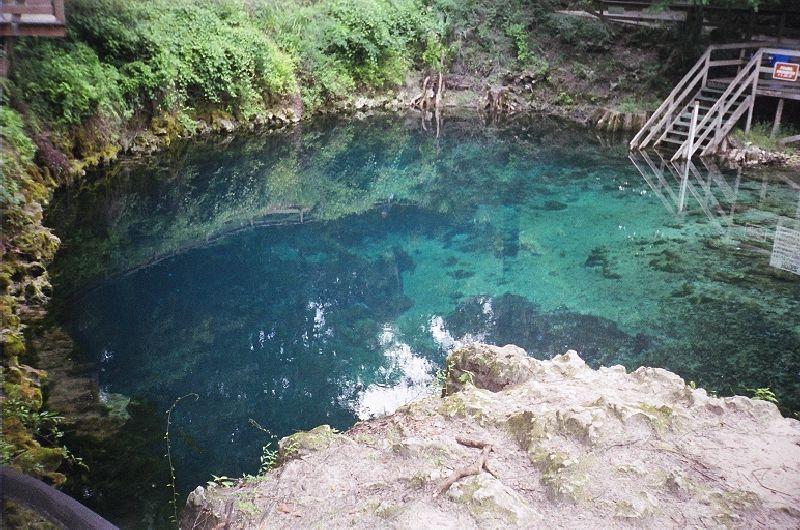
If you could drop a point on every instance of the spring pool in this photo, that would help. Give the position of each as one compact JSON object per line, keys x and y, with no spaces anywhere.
{"x":321,"y":275}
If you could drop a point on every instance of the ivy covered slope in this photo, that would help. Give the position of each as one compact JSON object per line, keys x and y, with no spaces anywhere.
{"x":175,"y":66}
{"x":169,"y":67}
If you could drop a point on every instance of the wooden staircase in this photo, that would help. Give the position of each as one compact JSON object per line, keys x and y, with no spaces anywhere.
{"x":723,"y":84}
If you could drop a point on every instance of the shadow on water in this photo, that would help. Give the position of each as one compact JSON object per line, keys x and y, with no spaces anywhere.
{"x":321,"y":276}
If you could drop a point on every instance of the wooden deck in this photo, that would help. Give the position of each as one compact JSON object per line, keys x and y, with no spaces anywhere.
{"x":775,"y":21}
{"x":32,"y":18}
{"x":721,"y":89}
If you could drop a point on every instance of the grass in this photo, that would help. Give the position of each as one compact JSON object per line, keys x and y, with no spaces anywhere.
{"x":759,"y":136}
{"x":634,"y":104}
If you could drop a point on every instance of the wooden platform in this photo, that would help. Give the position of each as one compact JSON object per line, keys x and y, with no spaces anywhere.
{"x":32,"y":18}
{"x":721,"y":89}
{"x":766,"y":87}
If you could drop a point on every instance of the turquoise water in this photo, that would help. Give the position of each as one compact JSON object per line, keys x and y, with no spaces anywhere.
{"x":321,"y":275}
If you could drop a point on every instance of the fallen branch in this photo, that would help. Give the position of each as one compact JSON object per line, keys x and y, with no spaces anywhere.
{"x":467,"y":471}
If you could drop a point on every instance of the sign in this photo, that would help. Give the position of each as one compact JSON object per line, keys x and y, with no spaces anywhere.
{"x":785,"y":71}
{"x":786,"y":248}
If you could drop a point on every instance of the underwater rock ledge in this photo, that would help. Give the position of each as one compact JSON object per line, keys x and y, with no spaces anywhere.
{"x":569,"y":447}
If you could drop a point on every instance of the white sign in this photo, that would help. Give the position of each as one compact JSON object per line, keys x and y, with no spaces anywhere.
{"x":786,"y":247}
{"x":785,"y":71}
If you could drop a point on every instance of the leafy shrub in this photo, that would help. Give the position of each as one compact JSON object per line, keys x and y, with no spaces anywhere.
{"x":300,"y":31}
{"x":342,"y":44}
{"x":13,"y":135}
{"x":587,"y":34}
{"x":518,"y":34}
{"x":16,"y":151}
{"x":122,"y":55}
{"x":209,"y":54}
{"x":66,"y":84}
{"x":374,"y":37}
{"x":564,"y":99}
{"x":115,"y":29}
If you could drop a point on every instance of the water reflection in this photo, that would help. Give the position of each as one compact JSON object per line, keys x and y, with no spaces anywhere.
{"x":739,"y":216}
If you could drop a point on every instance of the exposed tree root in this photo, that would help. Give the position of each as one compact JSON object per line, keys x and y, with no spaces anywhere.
{"x":480,"y":464}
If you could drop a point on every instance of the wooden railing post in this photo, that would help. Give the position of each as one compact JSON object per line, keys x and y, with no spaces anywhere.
{"x":690,"y":140}
{"x":58,"y":10}
{"x":756,"y":75}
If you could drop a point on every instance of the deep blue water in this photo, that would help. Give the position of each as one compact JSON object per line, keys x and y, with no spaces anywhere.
{"x":321,"y":275}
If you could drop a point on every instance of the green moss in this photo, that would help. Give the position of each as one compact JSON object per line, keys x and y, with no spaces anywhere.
{"x":387,"y":510}
{"x":42,"y":462}
{"x":13,"y":344}
{"x":561,"y":473}
{"x":659,"y":417}
{"x":525,"y":428}
{"x":304,"y":442}
{"x":248,"y":508}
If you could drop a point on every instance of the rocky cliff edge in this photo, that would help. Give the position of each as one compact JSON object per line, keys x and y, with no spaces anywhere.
{"x":517,"y":442}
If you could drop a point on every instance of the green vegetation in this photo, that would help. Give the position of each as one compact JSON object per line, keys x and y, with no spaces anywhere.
{"x":171,"y":485}
{"x":636,"y":104}
{"x":759,"y":136}
{"x":125,"y":64}
{"x":123,"y":58}
{"x":16,"y":153}
{"x":269,"y":456}
{"x":764,"y":394}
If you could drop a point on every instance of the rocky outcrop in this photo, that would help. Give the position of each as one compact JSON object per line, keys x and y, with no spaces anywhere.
{"x":517,"y":442}
{"x":751,"y":155}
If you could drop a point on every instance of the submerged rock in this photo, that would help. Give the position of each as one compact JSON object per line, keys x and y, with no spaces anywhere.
{"x":568,"y":446}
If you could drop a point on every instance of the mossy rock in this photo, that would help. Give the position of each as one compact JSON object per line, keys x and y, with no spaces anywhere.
{"x":25,"y":389}
{"x":13,"y":345}
{"x":525,"y":428}
{"x":41,"y":462}
{"x":306,"y":442}
{"x":487,"y":367}
{"x":562,"y":474}
{"x":471,"y":403}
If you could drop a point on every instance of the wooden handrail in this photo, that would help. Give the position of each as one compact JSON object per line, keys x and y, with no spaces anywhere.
{"x":25,"y":9}
{"x":58,"y":10}
{"x":738,"y":113}
{"x":669,"y":104}
{"x":53,"y":7}
{"x":782,"y":51}
{"x":48,"y":502}
{"x":659,"y":123}
{"x":722,"y":105}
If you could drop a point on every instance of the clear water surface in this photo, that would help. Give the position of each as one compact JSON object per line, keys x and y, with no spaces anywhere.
{"x":321,"y":275}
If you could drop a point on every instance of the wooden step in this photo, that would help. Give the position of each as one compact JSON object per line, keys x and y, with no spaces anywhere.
{"x":680,"y":142}
{"x":688,"y":115}
{"x":715,"y":90}
{"x":715,"y":99}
